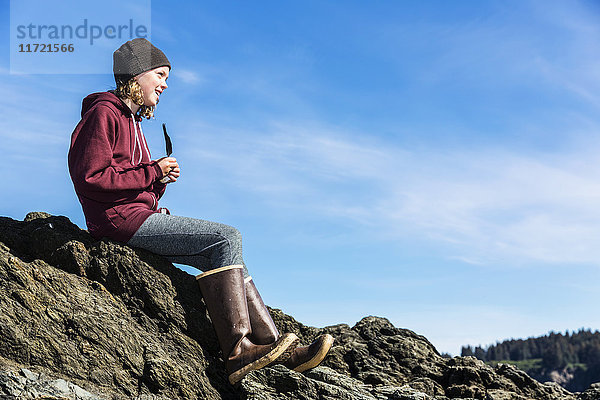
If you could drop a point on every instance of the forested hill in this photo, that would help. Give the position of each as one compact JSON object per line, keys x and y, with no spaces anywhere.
{"x":571,"y":359}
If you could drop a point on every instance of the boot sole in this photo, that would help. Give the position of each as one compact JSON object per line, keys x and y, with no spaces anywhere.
{"x":282,"y":351}
{"x":320,"y":356}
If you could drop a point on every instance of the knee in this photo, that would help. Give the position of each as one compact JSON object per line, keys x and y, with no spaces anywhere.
{"x":233,"y":235}
{"x":231,"y":245}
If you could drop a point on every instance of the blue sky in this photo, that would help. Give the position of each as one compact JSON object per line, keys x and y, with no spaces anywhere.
{"x":431,"y":162}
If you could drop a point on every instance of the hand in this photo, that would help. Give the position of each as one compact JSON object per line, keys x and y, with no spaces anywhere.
{"x":170,"y":168}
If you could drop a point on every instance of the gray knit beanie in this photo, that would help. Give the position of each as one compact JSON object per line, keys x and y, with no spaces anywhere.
{"x":137,"y":56}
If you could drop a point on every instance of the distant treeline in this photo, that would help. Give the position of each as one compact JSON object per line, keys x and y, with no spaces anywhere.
{"x":579,"y":352}
{"x":556,"y":350}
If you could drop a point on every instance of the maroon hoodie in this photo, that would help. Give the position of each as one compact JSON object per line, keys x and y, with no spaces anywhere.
{"x":109,"y":161}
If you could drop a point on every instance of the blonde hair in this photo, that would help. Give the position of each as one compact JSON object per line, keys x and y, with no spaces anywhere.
{"x":132,"y":90}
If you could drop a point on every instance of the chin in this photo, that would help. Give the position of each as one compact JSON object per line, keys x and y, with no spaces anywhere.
{"x":151,"y":102}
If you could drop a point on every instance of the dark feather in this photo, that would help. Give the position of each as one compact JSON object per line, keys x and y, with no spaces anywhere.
{"x":167,"y":141}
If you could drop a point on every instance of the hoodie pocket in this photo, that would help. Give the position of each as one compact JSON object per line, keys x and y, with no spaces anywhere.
{"x":115,"y":218}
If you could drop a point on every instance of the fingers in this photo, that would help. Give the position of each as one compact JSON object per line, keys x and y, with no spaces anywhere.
{"x":173,"y":171}
{"x":172,"y":162}
{"x":167,"y":160}
{"x":168,"y":164}
{"x":172,"y":177}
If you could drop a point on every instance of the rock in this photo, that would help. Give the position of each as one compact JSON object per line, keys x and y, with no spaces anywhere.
{"x":593,"y":393}
{"x":115,"y":322}
{"x":279,"y":382}
{"x":377,"y":353}
{"x":122,"y":323}
{"x":35,"y":215}
{"x":29,"y":385}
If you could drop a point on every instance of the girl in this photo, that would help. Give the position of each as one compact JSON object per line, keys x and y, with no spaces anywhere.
{"x":119,"y":185}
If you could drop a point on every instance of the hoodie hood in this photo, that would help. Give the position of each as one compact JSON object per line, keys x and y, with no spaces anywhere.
{"x":91,"y":100}
{"x":139,"y":144}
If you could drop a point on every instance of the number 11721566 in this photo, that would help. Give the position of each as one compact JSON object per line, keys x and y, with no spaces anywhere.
{"x":46,"y":48}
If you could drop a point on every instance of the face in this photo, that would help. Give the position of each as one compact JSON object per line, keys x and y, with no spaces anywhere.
{"x":153,"y":83}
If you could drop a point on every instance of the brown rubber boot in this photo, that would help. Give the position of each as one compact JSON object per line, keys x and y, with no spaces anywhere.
{"x":264,"y":331}
{"x":307,"y":357}
{"x":224,"y":293}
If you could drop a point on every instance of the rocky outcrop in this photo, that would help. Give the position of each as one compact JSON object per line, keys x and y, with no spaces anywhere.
{"x":377,"y":353}
{"x":97,"y":312}
{"x":116,"y":322}
{"x":593,"y":393}
{"x":27,"y":384}
{"x":320,"y":383}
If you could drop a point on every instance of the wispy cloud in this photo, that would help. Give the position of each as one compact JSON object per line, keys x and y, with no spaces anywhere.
{"x":486,"y":205}
{"x":189,"y":77}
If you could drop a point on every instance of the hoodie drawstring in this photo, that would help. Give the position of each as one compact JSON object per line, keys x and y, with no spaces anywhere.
{"x":145,"y":143}
{"x":138,"y":142}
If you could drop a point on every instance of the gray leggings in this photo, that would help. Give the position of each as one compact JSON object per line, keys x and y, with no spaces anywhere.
{"x":202,"y":244}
